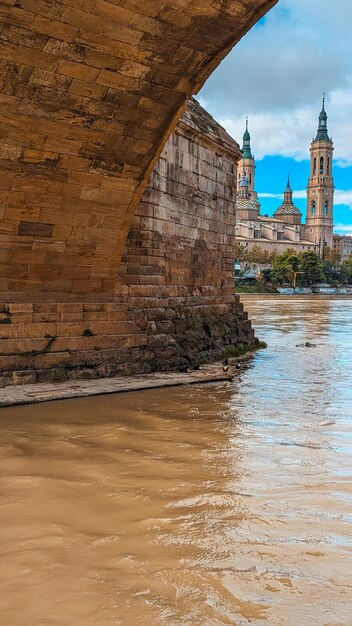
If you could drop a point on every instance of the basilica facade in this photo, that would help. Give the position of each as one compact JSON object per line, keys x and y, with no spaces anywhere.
{"x":285,"y":229}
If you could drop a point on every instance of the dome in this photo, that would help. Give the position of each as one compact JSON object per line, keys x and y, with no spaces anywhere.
{"x":247,"y":204}
{"x":289,"y":209}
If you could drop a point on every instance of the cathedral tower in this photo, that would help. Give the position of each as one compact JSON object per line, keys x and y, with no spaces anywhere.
{"x":248,"y":206}
{"x":320,"y":191}
{"x":246,"y":165}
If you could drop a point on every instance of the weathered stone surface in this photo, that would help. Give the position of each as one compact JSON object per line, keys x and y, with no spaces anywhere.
{"x":46,"y":390}
{"x":182,"y":235}
{"x":24,"y":377}
{"x":84,"y":373}
{"x":6,"y":381}
{"x":187,"y":332}
{"x":177,"y":307}
{"x":89,"y":93}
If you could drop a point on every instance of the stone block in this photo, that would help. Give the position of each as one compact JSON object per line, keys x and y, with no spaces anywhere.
{"x":24,"y":377}
{"x":100,"y":316}
{"x":84,"y":373}
{"x":46,"y":318}
{"x":53,"y":28}
{"x":50,"y":360}
{"x":36,"y":58}
{"x":115,"y":80}
{"x":78,"y":70}
{"x":5,"y":381}
{"x":20,"y":308}
{"x":54,"y":375}
{"x":88,"y":90}
{"x":83,"y":20}
{"x":112,"y":11}
{"x":72,"y":317}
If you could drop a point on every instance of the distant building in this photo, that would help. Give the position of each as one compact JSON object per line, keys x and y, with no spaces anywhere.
{"x":277,"y":233}
{"x":285,"y":229}
{"x":320,"y":191}
{"x":342,"y":244}
{"x":287,"y":211}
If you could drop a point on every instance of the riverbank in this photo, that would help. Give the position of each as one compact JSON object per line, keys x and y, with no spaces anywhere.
{"x":254,"y":287}
{"x":45,"y":392}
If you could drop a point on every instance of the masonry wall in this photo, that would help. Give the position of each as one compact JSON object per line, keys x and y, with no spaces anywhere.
{"x":181,"y":243}
{"x":183,"y":232}
{"x":174,"y":304}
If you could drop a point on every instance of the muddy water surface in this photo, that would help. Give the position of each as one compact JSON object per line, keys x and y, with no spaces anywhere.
{"x":214,"y":504}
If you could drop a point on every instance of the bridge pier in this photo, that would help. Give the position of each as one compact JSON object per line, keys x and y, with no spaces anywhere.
{"x":90,"y":91}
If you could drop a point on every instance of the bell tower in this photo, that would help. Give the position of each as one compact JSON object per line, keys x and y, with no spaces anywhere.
{"x":247,"y":164}
{"x":246,"y":174}
{"x":320,"y":190}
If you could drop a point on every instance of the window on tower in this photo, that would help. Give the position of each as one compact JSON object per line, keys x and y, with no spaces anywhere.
{"x":321,"y":165}
{"x":315,"y":166}
{"x":250,"y":179}
{"x":326,"y":207}
{"x":328,"y":167}
{"x":313,"y":207}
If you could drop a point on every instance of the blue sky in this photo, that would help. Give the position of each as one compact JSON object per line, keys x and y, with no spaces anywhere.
{"x":276,"y":75}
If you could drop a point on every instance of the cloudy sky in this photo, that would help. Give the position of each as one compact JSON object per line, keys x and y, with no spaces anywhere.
{"x":276,"y":75}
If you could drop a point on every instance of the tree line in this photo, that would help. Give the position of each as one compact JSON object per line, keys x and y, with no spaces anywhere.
{"x":304,"y":269}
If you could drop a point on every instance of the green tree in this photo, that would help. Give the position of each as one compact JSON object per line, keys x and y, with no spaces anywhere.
{"x":255,"y":254}
{"x":311,"y":268}
{"x":240,"y":252}
{"x":346,"y":272}
{"x":272,"y":256}
{"x":332,"y":255}
{"x":332,"y":273}
{"x":266,"y":276}
{"x":284,"y":267}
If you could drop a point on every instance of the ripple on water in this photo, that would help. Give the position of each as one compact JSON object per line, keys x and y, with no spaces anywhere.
{"x":196,"y":506}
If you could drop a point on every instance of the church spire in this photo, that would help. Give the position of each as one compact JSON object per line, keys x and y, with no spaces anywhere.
{"x":322,"y":134}
{"x":247,"y":153}
{"x":288,"y":193}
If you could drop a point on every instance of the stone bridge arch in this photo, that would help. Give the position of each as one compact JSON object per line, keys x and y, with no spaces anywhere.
{"x":90,"y":90}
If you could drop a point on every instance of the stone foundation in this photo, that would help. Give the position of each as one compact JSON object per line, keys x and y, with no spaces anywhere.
{"x":61,"y":341}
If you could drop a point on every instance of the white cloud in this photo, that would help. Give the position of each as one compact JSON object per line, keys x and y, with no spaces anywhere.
{"x":270,"y":195}
{"x":288,"y":134}
{"x":343,"y":229}
{"x":341,"y":197}
{"x":277,"y":74}
{"x":297,"y":194}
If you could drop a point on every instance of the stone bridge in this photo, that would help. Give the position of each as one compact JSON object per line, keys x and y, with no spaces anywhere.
{"x":90,"y":91}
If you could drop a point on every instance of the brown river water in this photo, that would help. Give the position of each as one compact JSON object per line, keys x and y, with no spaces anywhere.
{"x":226,"y":503}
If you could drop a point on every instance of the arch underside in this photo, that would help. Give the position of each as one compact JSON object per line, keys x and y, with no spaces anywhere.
{"x":90,"y":90}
